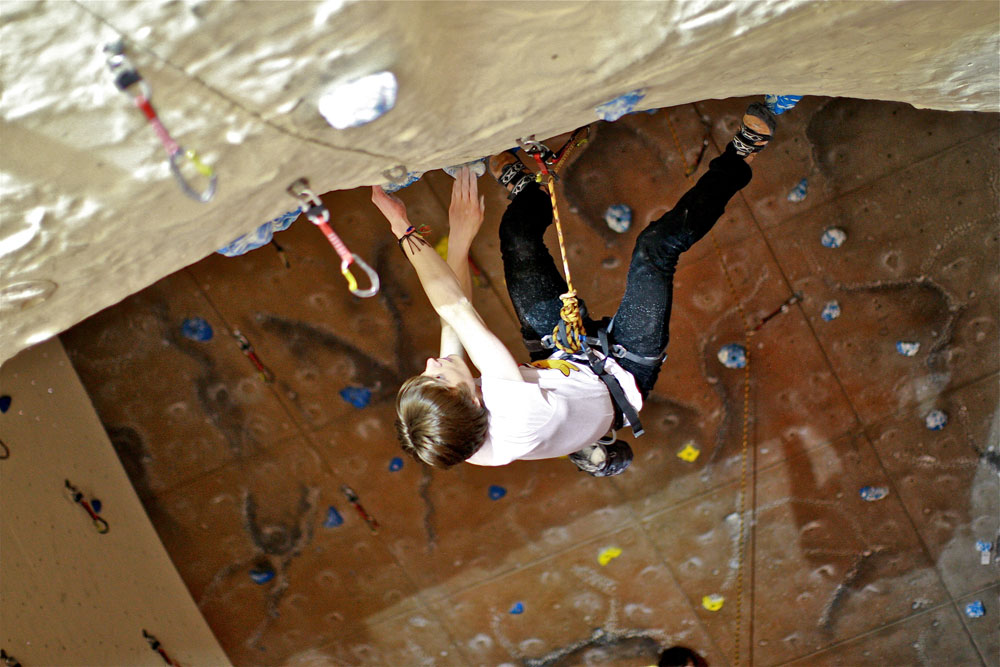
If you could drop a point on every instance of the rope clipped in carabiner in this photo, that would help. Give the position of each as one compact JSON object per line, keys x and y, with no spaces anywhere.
{"x":569,"y":333}
{"x":319,"y":215}
{"x":126,"y":76}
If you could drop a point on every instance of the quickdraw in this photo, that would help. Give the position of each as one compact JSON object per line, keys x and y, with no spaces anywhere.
{"x":319,"y":215}
{"x":355,"y":502}
{"x":77,"y":497}
{"x":247,"y":349}
{"x":127,"y":77}
{"x":155,"y":645}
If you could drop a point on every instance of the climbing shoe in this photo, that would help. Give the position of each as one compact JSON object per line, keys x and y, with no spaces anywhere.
{"x":755,"y":131}
{"x":603,"y":460}
{"x":511,"y":173}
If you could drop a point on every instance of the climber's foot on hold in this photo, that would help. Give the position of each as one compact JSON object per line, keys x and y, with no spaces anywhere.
{"x":755,"y":132}
{"x":511,"y":173}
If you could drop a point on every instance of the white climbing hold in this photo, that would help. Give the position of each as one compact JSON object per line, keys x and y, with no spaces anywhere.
{"x":359,"y":101}
{"x":833,"y":237}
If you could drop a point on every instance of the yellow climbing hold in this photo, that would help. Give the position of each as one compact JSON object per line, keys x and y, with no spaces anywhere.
{"x":712,"y":602}
{"x":442,"y":247}
{"x":608,"y":555}
{"x":689,"y":453}
{"x":560,"y":365}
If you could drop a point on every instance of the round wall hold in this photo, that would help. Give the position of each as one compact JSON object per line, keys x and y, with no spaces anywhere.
{"x":833,"y":237}
{"x":359,"y":101}
{"x":733,"y":355}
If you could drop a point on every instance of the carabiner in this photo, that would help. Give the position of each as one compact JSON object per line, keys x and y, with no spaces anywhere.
{"x":319,"y":215}
{"x":352,"y":284}
{"x":200,"y":167}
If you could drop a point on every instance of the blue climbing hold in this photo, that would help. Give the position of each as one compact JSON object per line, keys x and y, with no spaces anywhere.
{"x":196,"y":328}
{"x":831,"y":311}
{"x":395,"y":464}
{"x":983,"y":546}
{"x":5,"y":403}
{"x":779,"y":104}
{"x":907,"y":348}
{"x":333,"y":518}
{"x":497,"y":492}
{"x":96,"y":505}
{"x":975,"y":609}
{"x":936,"y":420}
{"x":833,"y":237}
{"x":261,"y":236}
{"x":359,"y":397}
{"x":618,"y":217}
{"x":873,"y":493}
{"x":799,"y":192}
{"x":262,"y":575}
{"x":733,"y":355}
{"x":518,"y":608}
{"x":620,"y":106}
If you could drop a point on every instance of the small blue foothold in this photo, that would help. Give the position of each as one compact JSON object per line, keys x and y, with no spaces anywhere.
{"x":798,"y":193}
{"x":983,"y":546}
{"x":262,"y":575}
{"x":975,"y":609}
{"x":779,"y":104}
{"x":497,"y":492}
{"x":873,"y":493}
{"x":620,"y":106}
{"x":4,"y":403}
{"x":395,"y":464}
{"x":833,"y":237}
{"x":936,"y":420}
{"x":196,"y":328}
{"x":518,"y":608}
{"x":96,"y":505}
{"x":333,"y":518}
{"x":359,"y":397}
{"x":618,"y":217}
{"x":733,"y":355}
{"x":831,"y":311}
{"x":907,"y":348}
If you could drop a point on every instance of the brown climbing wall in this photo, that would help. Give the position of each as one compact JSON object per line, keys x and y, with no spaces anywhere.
{"x":535,"y":563}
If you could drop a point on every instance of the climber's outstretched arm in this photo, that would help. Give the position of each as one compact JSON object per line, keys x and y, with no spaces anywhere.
{"x":465,"y":216}
{"x":443,"y":289}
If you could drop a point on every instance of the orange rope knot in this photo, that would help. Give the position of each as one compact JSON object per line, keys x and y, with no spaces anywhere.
{"x":570,"y":314}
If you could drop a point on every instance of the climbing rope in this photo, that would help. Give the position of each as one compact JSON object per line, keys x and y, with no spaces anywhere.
{"x":568,"y":334}
{"x":319,"y":215}
{"x":747,"y":334}
{"x":127,"y":77}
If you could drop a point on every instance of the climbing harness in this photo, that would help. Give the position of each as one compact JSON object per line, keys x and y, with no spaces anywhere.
{"x":247,"y":349}
{"x":74,"y":494}
{"x":154,"y":644}
{"x":747,"y":333}
{"x":569,"y":336}
{"x":126,"y":77}
{"x":319,"y":215}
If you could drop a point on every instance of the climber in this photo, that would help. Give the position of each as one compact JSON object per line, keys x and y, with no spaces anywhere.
{"x":558,"y":405}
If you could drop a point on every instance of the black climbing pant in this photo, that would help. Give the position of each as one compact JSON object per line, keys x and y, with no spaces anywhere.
{"x":641,"y":324}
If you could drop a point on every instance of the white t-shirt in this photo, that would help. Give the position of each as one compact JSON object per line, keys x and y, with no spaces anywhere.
{"x":556,"y":411}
